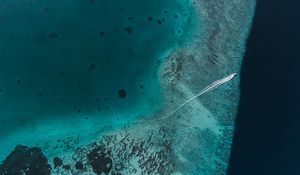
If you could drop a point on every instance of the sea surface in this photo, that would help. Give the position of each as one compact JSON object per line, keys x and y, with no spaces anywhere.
{"x":89,"y":86}
{"x":267,"y":137}
{"x":79,"y":64}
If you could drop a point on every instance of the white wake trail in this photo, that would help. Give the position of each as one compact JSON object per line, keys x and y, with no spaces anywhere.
{"x":208,"y":88}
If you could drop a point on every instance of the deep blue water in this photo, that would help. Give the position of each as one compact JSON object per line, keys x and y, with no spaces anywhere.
{"x":267,"y":137}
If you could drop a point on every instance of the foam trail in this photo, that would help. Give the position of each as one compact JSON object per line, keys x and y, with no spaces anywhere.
{"x":208,"y":88}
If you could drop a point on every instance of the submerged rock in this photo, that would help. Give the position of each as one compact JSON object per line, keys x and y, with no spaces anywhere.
{"x":57,"y":162}
{"x":100,"y":160}
{"x":25,"y":160}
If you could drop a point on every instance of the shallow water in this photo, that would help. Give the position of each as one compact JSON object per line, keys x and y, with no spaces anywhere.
{"x":73,"y":57}
{"x":67,"y":62}
{"x":90,"y":82}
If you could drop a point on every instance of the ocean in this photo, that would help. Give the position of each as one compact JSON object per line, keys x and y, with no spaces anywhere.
{"x":71,"y":66}
{"x":266,"y":139}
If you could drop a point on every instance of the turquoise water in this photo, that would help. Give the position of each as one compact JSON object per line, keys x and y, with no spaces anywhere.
{"x":73,"y":64}
{"x":89,"y":86}
{"x":73,"y":57}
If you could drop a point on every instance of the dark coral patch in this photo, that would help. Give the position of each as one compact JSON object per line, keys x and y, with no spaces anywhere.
{"x":57,"y":162}
{"x":92,"y":67}
{"x":159,"y":22}
{"x":25,"y":160}
{"x":101,"y":33}
{"x":129,"y":29}
{"x":131,"y":18}
{"x":122,"y":93}
{"x":79,"y":166}
{"x":46,"y":9}
{"x":100,"y":160}
{"x":66,"y":167}
{"x":40,"y":94}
